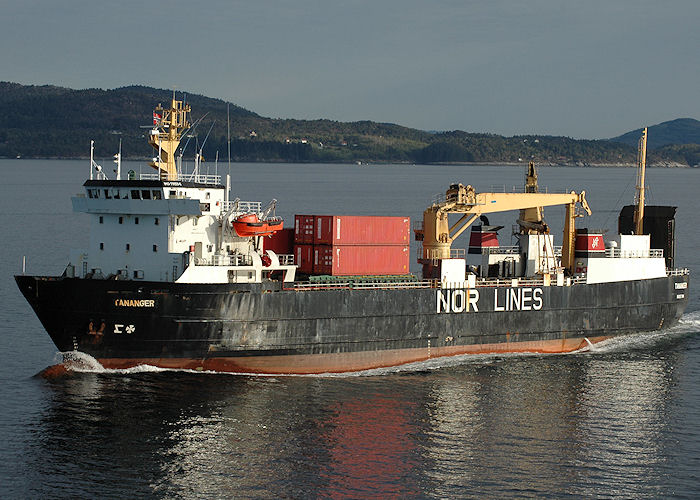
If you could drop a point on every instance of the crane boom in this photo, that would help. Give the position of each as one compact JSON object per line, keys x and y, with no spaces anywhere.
{"x":438,"y":235}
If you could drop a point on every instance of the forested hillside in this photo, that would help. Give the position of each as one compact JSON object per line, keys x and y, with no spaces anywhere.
{"x":55,"y":122}
{"x":679,"y":132}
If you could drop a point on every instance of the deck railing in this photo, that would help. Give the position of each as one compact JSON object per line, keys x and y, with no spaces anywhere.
{"x":480,"y":282}
{"x":199,"y":178}
{"x":633,"y":254}
{"x":239,"y":260}
{"x":458,"y":253}
{"x":242,"y":207}
{"x":286,"y":259}
{"x":365,"y":285}
{"x":225,"y":260}
{"x":515,"y":249}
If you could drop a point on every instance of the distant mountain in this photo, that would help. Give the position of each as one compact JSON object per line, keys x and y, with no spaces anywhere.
{"x":679,"y":131}
{"x":55,"y":122}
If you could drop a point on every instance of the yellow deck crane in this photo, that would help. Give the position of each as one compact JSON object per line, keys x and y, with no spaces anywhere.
{"x":438,"y":234}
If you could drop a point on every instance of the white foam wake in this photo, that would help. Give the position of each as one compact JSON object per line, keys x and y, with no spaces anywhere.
{"x":690,"y":322}
{"x":84,"y":363}
{"x":81,"y":362}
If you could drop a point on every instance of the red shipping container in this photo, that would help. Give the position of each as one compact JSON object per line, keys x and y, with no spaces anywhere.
{"x":303,"y":229}
{"x":358,"y":260}
{"x":281,"y":242}
{"x":361,"y":230}
{"x":304,"y":258}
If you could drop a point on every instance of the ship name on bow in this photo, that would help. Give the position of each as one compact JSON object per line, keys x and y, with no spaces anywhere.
{"x":134,"y":303}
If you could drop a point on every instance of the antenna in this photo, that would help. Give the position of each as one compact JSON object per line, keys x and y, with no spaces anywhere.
{"x":207,"y":136}
{"x":216,"y":163}
{"x":199,"y":155}
{"x":190,"y":133}
{"x":118,"y":160}
{"x":94,"y":165}
{"x":228,"y":138}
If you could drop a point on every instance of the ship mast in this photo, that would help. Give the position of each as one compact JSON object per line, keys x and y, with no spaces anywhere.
{"x":641,"y":164}
{"x":531,"y":219}
{"x":168,"y":125}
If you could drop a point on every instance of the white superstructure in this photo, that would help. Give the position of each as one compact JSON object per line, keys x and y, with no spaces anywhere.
{"x":169,"y":231}
{"x":171,"y":226}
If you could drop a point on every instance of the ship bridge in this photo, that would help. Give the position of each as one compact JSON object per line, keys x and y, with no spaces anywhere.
{"x":151,"y":228}
{"x":147,"y":196}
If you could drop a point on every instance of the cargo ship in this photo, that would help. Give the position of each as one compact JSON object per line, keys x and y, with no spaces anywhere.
{"x":179,"y":275}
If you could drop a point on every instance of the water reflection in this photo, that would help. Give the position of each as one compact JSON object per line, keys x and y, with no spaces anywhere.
{"x":582,"y":425}
{"x":626,"y":416}
{"x":505,"y":425}
{"x":372,"y":449}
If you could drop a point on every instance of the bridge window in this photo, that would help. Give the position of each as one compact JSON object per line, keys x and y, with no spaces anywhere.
{"x":145,"y":194}
{"x":107,"y":194}
{"x":135,"y":195}
{"x":157,"y":195}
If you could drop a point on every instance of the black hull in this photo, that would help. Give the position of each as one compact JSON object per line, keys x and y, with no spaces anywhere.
{"x":264,"y":328}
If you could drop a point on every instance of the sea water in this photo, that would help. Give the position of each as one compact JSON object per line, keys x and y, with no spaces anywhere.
{"x":618,"y":419}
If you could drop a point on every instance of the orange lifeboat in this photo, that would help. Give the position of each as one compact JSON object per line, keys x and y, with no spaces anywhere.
{"x":251,"y":225}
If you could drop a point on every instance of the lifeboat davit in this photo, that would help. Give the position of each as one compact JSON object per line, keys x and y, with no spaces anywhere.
{"x":251,"y":225}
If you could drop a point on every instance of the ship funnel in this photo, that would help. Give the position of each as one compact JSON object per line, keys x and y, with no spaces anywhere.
{"x":483,"y":237}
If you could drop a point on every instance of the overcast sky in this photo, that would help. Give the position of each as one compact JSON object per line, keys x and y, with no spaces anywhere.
{"x":585,"y":69}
